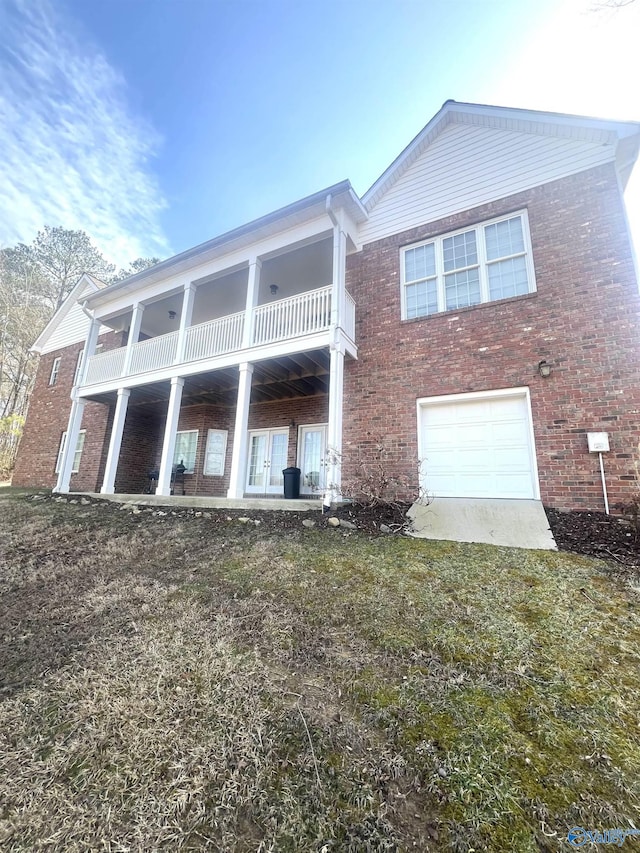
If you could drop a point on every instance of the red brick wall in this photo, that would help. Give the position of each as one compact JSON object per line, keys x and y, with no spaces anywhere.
{"x":48,"y":418}
{"x":143,"y":433}
{"x":583,"y":319}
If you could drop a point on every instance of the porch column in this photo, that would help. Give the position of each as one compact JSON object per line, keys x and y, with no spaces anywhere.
{"x":185,"y":320}
{"x":132,"y":338}
{"x":253,"y":285}
{"x":338,"y":291}
{"x":73,"y":431}
{"x":90,"y":344}
{"x":115,"y":442}
{"x":240,"y":438}
{"x":169,"y":441}
{"x":334,"y":429}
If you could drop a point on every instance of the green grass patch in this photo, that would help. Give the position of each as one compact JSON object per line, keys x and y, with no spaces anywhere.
{"x":183,"y":683}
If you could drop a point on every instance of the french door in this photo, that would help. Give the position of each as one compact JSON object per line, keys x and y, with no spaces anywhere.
{"x":267,"y":457}
{"x":312,"y":458}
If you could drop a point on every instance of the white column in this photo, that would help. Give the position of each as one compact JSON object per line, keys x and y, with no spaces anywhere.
{"x":334,"y":429}
{"x":73,"y":431}
{"x":253,"y":285}
{"x":240,"y":437}
{"x":169,"y":441}
{"x":338,"y":289}
{"x":115,"y":442}
{"x":185,"y":320}
{"x":89,"y":349}
{"x":132,"y":338}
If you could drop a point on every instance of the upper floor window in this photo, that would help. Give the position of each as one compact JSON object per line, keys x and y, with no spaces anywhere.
{"x":490,"y":261}
{"x":55,"y":369}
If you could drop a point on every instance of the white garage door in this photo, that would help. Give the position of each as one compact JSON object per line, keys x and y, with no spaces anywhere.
{"x":478,"y":446}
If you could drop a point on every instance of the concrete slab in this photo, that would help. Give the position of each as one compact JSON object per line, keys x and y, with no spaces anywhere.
{"x":515,"y":523}
{"x":183,"y":502}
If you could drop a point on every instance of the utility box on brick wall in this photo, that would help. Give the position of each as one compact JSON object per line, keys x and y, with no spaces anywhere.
{"x":598,"y":442}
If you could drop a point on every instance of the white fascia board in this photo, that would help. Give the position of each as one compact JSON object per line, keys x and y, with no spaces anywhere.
{"x":524,"y":121}
{"x":245,"y":237}
{"x":84,"y":282}
{"x":108,"y":303}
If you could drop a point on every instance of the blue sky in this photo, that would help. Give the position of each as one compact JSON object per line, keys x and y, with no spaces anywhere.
{"x":157,"y":124}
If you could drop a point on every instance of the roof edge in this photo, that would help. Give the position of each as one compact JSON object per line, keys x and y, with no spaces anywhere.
{"x":622,"y":129}
{"x":343,"y":187}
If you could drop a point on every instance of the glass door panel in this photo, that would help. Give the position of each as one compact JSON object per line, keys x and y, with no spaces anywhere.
{"x":312,"y":451}
{"x":257,"y":458}
{"x":268,"y":450}
{"x":278,"y":459}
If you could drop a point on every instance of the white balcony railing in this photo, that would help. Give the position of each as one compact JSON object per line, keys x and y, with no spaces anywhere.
{"x":214,"y":338}
{"x":105,"y":366}
{"x":350,"y":316}
{"x":154,"y":353}
{"x":304,"y":314}
{"x":289,"y":318}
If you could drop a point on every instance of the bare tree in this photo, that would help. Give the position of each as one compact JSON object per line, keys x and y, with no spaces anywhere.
{"x":62,"y":257}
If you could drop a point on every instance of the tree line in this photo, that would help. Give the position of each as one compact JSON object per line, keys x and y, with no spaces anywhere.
{"x":35,"y":279}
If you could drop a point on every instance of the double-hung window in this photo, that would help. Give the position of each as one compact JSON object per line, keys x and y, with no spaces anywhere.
{"x":185,"y":452}
{"x":55,"y":369}
{"x":490,"y":261}
{"x":76,"y":456}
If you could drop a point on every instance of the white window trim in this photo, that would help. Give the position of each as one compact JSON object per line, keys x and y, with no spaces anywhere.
{"x":78,"y":451}
{"x":523,"y":391}
{"x":195,"y":457}
{"x":55,"y":370}
{"x":482,"y":263}
{"x":224,"y":433}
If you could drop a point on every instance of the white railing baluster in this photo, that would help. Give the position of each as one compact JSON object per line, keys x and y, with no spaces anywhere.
{"x":302,"y":314}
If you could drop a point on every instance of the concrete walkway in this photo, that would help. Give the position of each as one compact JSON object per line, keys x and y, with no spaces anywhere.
{"x":515,"y":523}
{"x":202,"y":502}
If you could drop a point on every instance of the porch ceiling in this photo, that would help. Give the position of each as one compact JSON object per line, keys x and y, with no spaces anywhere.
{"x":300,"y":375}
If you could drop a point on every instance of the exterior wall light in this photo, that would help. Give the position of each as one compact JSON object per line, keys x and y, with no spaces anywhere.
{"x":544,"y":369}
{"x":273,"y":288}
{"x":172,"y":315}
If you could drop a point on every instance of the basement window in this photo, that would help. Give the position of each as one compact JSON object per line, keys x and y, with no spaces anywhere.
{"x":490,"y":261}
{"x":215,"y":452}
{"x":76,"y":456}
{"x":186,"y":446}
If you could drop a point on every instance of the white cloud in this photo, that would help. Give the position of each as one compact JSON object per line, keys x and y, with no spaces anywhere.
{"x":72,"y":152}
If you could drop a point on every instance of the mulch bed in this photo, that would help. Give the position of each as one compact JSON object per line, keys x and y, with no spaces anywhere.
{"x":594,"y":534}
{"x":607,"y":537}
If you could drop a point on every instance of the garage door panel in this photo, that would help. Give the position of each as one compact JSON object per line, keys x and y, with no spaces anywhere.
{"x":478,"y":448}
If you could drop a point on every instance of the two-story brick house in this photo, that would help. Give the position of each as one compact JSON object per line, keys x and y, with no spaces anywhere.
{"x":477,"y":309}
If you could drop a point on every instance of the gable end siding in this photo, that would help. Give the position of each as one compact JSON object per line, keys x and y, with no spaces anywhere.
{"x":467,"y":166}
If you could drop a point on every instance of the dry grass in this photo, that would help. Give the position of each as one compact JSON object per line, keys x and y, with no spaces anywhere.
{"x":185,"y":683}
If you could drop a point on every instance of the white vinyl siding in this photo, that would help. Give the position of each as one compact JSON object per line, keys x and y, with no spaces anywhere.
{"x":55,"y":369}
{"x":215,"y":452}
{"x":77,"y":455}
{"x":491,"y":260}
{"x":186,"y":446}
{"x":467,"y":165}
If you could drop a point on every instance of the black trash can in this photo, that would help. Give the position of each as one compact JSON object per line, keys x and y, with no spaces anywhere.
{"x":291,"y":482}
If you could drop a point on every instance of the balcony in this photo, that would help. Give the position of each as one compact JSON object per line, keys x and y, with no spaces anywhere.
{"x":287,"y":320}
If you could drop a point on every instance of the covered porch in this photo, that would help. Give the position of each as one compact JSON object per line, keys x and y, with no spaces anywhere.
{"x":225,"y":434}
